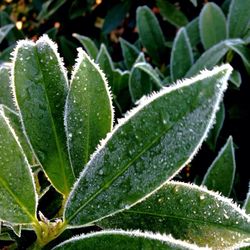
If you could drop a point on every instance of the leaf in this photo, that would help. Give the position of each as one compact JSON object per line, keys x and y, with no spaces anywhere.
{"x":18,"y":200}
{"x":170,"y":13}
{"x":140,"y":155}
{"x":6,"y":97}
{"x":193,"y":32}
{"x":88,"y":45}
{"x":120,"y":81}
{"x":194,"y":2}
{"x":212,"y":25}
{"x":238,"y":18}
{"x":220,"y":175}
{"x":141,"y":80}
{"x":4,"y":31}
{"x":244,"y":52}
{"x":151,"y":35}
{"x":106,"y":64}
{"x":122,"y":240}
{"x":88,"y":111}
{"x":15,"y":123}
{"x":130,"y":53}
{"x":215,"y":131}
{"x":246,"y":205}
{"x":40,"y":86}
{"x":235,"y":78}
{"x":189,"y":213}
{"x":181,"y":55}
{"x":115,"y":16}
{"x":212,"y":56}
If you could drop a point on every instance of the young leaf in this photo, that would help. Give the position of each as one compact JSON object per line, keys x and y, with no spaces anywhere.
{"x":235,"y":78}
{"x":181,"y":56}
{"x":106,"y":64}
{"x":170,"y":13}
{"x":40,"y":86}
{"x":192,"y":29}
{"x":188,"y":212}
{"x":238,"y":18}
{"x":6,"y":97}
{"x":148,"y":147}
{"x":246,"y":205}
{"x":122,"y":240}
{"x":215,"y":131}
{"x":141,"y":80}
{"x":212,"y":25}
{"x":212,"y":56}
{"x":4,"y":31}
{"x":15,"y":123}
{"x":220,"y":175}
{"x":88,"y":45}
{"x":120,"y":81}
{"x":18,"y":200}
{"x":88,"y":111}
{"x":151,"y":35}
{"x":130,"y":53}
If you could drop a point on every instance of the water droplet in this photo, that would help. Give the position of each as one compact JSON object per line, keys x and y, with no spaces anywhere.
{"x":202,"y":197}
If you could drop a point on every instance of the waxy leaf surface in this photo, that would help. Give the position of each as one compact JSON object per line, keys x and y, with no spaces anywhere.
{"x":122,"y":240}
{"x":220,"y":175}
{"x":88,"y":112}
{"x":212,"y":25}
{"x":181,"y":55}
{"x":18,"y":200}
{"x":188,"y":212}
{"x":40,"y":87}
{"x":147,"y":148}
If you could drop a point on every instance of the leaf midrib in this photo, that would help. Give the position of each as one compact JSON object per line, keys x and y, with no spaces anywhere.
{"x":187,"y":219}
{"x":66,"y":190}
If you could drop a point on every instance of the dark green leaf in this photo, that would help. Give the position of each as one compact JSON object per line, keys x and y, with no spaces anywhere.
{"x":238,"y":18}
{"x":130,"y":53}
{"x":122,"y":240}
{"x":170,"y":13}
{"x":220,"y":175}
{"x":88,"y":45}
{"x":88,"y":111}
{"x":18,"y":200}
{"x":181,"y":55}
{"x":235,"y":78}
{"x":151,"y":35}
{"x":246,"y":205}
{"x":141,"y":155}
{"x":188,"y":212}
{"x":4,"y":31}
{"x":212,"y":25}
{"x":120,"y":81}
{"x":41,"y":86}
{"x":193,"y":32}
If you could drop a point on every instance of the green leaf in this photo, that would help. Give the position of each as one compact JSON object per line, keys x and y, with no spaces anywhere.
{"x":122,"y":240}
{"x":18,"y":200}
{"x":106,"y":64}
{"x":246,"y":205}
{"x":181,"y":55}
{"x":4,"y":31}
{"x":120,"y":81}
{"x":187,"y":212}
{"x":212,"y":56}
{"x":220,"y":175}
{"x":243,"y":51}
{"x":215,"y":131}
{"x":171,"y":14}
{"x":6,"y":97}
{"x":141,"y":155}
{"x":151,"y":35}
{"x":212,"y":25}
{"x":130,"y":53}
{"x":15,"y":123}
{"x":88,"y":45}
{"x":235,"y":78}
{"x":141,"y":81}
{"x":88,"y":111}
{"x":40,"y":86}
{"x":194,"y":2}
{"x":238,"y":18}
{"x":193,"y":32}
{"x":115,"y":16}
